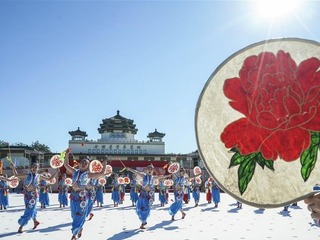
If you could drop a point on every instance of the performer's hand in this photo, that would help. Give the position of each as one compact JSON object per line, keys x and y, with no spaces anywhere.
{"x":313,"y":203}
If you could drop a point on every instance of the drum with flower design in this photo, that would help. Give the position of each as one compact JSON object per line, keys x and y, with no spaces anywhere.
{"x":68,"y":181}
{"x":56,"y":161}
{"x":121,"y":180}
{"x":156,"y":182}
{"x":198,"y":180}
{"x":257,"y":122}
{"x":95,"y":166}
{"x":53,"y":181}
{"x":102,"y":181}
{"x":108,"y":169}
{"x":167,"y":183}
{"x":14,"y":182}
{"x":173,"y":167}
{"x":197,"y":170}
{"x":126,"y":180}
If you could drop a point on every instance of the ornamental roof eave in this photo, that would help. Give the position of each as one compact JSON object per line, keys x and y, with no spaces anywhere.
{"x":117,"y":122}
{"x":156,"y":134}
{"x":78,"y":132}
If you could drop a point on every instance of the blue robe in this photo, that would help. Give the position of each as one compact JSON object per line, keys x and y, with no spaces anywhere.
{"x":30,"y":199}
{"x":4,"y":200}
{"x":215,"y":193}
{"x":178,"y":196}
{"x":115,"y":195}
{"x":79,"y":201}
{"x":134,"y":191}
{"x":91,"y":195}
{"x":99,"y":193}
{"x":196,"y":192}
{"x":63,"y":193}
{"x":44,"y":193}
{"x":162,"y":193}
{"x":145,"y":199}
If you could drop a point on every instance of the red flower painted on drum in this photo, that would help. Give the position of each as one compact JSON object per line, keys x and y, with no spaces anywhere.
{"x":281,"y":104}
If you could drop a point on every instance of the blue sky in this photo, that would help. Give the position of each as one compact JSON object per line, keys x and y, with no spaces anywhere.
{"x":70,"y":64}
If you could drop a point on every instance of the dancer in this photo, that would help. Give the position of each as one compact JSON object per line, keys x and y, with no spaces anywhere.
{"x":196,"y":184}
{"x":178,"y":190}
{"x":99,"y":194}
{"x":162,"y":192}
{"x":122,"y":190}
{"x":4,"y":192}
{"x":79,"y":197}
{"x":146,"y":195}
{"x":115,"y":191}
{"x":216,"y":193}
{"x":44,"y":192}
{"x":31,"y":193}
{"x":134,"y":190}
{"x":208,"y":186}
{"x":186,"y":195}
{"x":63,"y":191}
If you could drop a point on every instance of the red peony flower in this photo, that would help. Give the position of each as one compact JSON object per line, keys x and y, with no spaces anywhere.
{"x":280,"y":102}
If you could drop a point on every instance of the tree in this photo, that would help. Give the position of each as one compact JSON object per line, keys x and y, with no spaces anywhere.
{"x":35,"y":145}
{"x":40,"y":147}
{"x":3,"y":143}
{"x":20,"y":144}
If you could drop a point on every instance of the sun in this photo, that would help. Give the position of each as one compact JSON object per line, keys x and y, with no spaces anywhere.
{"x":277,"y":9}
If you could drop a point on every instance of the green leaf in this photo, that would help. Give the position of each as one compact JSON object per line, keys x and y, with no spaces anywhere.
{"x":246,"y":171}
{"x":269,"y":164}
{"x":260,"y":160}
{"x":236,"y":159}
{"x":308,"y":158}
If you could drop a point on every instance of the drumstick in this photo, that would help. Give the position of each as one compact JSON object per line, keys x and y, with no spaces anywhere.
{"x":122,"y":163}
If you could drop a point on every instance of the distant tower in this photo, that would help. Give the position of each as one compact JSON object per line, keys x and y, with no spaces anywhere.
{"x":78,"y":135}
{"x":156,"y":136}
{"x":117,"y":128}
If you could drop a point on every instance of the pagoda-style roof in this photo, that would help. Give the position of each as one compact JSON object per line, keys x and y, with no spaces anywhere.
{"x":78,"y":132}
{"x":156,"y":134}
{"x":117,"y":123}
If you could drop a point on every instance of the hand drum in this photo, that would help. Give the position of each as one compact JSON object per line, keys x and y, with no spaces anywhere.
{"x":257,"y":122}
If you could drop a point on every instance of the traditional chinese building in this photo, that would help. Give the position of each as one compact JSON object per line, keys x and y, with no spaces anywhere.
{"x":117,"y":138}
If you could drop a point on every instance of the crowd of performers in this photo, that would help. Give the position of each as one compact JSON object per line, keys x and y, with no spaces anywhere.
{"x":86,"y":189}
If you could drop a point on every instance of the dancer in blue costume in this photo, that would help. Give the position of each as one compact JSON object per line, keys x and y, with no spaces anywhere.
{"x":63,"y":191}
{"x":44,"y":193}
{"x":122,"y":191}
{"x":115,"y":191}
{"x":99,"y":194}
{"x":91,"y":188}
{"x":134,"y":190}
{"x":215,"y":193}
{"x":162,"y":192}
{"x":187,"y":195}
{"x":4,"y":192}
{"x":79,"y":197}
{"x":146,"y":195}
{"x":31,"y":193}
{"x":196,"y":191}
{"x":179,"y":183}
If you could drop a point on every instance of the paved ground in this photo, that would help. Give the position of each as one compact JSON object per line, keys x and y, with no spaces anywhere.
{"x":202,"y":222}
